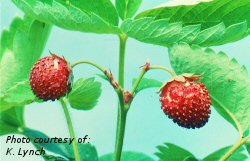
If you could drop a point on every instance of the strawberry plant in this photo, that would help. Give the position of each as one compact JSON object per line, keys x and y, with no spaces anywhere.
{"x":201,"y":79}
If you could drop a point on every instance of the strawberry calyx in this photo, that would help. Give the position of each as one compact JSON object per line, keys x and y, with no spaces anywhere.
{"x":181,"y":78}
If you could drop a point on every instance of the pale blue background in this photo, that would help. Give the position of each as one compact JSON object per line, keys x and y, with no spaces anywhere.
{"x":147,"y":126}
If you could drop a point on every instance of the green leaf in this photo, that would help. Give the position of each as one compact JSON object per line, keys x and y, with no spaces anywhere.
{"x":87,"y":151}
{"x":53,"y":158}
{"x":11,"y":97}
{"x":171,"y":152}
{"x":164,"y":33}
{"x":85,"y":94}
{"x":147,"y":83}
{"x":190,"y":158}
{"x":206,"y":13}
{"x":60,"y":149}
{"x":104,"y":77}
{"x":230,"y":20}
{"x":127,"y":8}
{"x":127,"y":156}
{"x":21,"y":47}
{"x":247,"y":144}
{"x":11,"y":120}
{"x":237,"y":155}
{"x":228,"y":83}
{"x":98,"y":16}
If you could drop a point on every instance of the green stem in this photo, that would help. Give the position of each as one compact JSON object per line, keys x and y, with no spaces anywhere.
{"x":89,"y":62}
{"x":122,"y":113}
{"x":143,"y":72}
{"x":71,"y":129}
{"x":123,"y":40}
{"x":138,"y":81}
{"x":163,"y":68}
{"x":108,"y":75}
{"x":234,"y":148}
{"x":121,"y":124}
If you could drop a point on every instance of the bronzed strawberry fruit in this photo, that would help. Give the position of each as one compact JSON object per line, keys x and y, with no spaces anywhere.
{"x":50,"y":78}
{"x":186,"y":101}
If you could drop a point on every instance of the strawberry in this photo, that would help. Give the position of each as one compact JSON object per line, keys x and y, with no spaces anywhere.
{"x":50,"y":78}
{"x":186,"y":101}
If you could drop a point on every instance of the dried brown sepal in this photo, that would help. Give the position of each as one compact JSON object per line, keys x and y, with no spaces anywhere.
{"x":127,"y":97}
{"x":181,"y":78}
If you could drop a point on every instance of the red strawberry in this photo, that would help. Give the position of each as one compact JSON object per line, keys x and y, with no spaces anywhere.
{"x":186,"y":102}
{"x":50,"y":78}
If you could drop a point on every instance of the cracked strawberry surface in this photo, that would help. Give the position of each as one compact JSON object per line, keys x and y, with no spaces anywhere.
{"x":186,"y":102}
{"x":50,"y":78}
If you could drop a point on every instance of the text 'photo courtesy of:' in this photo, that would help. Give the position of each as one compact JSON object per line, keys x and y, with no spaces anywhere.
{"x":125,"y":80}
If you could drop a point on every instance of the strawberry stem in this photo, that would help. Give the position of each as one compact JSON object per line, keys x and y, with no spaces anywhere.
{"x":109,"y":75}
{"x":143,"y":71}
{"x":146,"y":68}
{"x":163,"y":68}
{"x":123,"y":40}
{"x":71,"y":129}
{"x":122,"y":112}
{"x":89,"y":62}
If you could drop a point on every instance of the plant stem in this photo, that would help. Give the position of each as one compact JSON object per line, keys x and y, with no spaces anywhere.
{"x":143,"y":72}
{"x":122,"y":113}
{"x":138,"y":81}
{"x":234,"y":148}
{"x":123,"y":40}
{"x":163,"y":68}
{"x":117,"y":88}
{"x":89,"y":62}
{"x":121,"y":124}
{"x":71,"y":129}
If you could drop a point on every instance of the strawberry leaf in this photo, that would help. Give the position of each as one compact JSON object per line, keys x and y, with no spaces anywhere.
{"x":127,"y":8}
{"x":87,"y":151}
{"x":11,"y":120}
{"x":173,"y":152}
{"x":98,"y":16}
{"x":206,"y":23}
{"x":127,"y":156}
{"x":21,"y":46}
{"x":232,"y":18}
{"x":147,"y":83}
{"x":85,"y":94}
{"x":53,"y":158}
{"x":228,"y":83}
{"x":52,"y":147}
{"x":11,"y":97}
{"x":190,"y":158}
{"x":237,"y":155}
{"x":163,"y":32}
{"x":206,"y":13}
{"x":247,"y":144}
